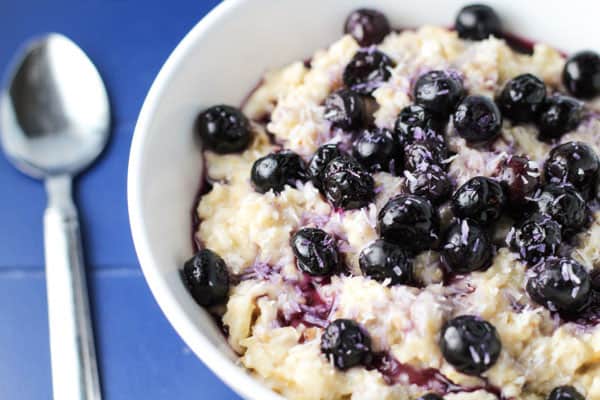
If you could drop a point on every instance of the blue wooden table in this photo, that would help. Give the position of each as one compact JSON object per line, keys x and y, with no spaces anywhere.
{"x":140,"y":355}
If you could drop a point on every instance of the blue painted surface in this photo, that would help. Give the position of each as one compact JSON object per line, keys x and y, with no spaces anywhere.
{"x":141,"y":356}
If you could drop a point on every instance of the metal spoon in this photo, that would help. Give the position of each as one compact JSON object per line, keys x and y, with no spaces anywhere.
{"x":54,"y":121}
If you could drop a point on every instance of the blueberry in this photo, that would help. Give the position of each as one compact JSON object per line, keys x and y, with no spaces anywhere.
{"x":563,"y":203}
{"x":424,"y":153}
{"x":377,"y":149}
{"x":581,"y":74}
{"x":575,"y":163}
{"x":480,"y":198}
{"x":522,"y":98}
{"x":316,"y":252}
{"x":382,"y":260}
{"x":559,"y":114}
{"x":345,"y":109}
{"x":206,"y":277}
{"x":431,"y":182}
{"x":410,"y":118}
{"x":560,"y":284}
{"x":536,"y":238}
{"x":346,"y":344}
{"x":409,"y":221}
{"x":367,"y":70}
{"x":367,"y":26}
{"x":565,"y":393}
{"x":477,"y":119}
{"x":466,"y":247}
{"x":223,"y":129}
{"x":521,"y":178}
{"x":275,"y":170}
{"x":320,"y":159}
{"x":347,"y":184}
{"x":431,"y":396}
{"x":477,"y":22}
{"x":439,"y":92}
{"x":470,"y":344}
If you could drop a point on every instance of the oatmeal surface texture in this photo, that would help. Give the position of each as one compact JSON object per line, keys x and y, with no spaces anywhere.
{"x":251,"y":231}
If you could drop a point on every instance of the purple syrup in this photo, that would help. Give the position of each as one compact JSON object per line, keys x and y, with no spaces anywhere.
{"x":518,"y":44}
{"x":315,"y":311}
{"x":431,"y":379}
{"x":308,"y":63}
{"x":394,"y":372}
{"x":264,"y":119}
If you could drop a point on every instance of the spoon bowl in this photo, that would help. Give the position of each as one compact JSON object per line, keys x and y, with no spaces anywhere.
{"x":54,"y":113}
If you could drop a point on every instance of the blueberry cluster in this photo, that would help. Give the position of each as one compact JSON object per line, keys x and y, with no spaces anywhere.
{"x":547,"y":206}
{"x":524,"y":99}
{"x":552,"y":212}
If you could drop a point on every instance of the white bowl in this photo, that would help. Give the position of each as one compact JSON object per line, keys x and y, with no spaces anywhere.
{"x":219,"y":61}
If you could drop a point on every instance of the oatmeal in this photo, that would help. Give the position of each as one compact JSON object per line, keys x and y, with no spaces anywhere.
{"x":410,"y":215}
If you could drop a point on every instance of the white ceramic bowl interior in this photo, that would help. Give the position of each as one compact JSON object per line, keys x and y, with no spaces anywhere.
{"x":219,"y":61}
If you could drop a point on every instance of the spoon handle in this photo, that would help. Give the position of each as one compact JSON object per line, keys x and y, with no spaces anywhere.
{"x":73,"y":356}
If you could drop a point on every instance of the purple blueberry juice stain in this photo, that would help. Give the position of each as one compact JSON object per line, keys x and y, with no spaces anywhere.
{"x":307,"y":62}
{"x":518,"y":43}
{"x":264,"y":119}
{"x":395,"y":372}
{"x":315,"y":311}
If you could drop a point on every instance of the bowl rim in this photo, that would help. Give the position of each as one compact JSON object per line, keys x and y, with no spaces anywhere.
{"x":221,"y":365}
